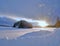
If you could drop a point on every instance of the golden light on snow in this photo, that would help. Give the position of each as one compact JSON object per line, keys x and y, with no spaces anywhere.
{"x":43,"y":23}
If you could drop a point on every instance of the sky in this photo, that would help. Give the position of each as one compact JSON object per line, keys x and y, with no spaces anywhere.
{"x":35,"y":9}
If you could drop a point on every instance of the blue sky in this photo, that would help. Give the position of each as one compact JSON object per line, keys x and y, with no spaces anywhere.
{"x":36,"y":9}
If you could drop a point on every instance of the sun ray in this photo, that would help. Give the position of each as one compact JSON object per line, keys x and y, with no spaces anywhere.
{"x":43,"y":23}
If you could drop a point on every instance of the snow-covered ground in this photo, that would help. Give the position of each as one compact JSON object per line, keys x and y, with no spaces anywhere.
{"x":29,"y":37}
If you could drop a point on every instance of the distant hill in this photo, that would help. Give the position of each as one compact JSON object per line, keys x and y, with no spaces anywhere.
{"x":5,"y":21}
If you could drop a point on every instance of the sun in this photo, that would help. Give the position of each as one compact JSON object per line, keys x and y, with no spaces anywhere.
{"x":43,"y":23}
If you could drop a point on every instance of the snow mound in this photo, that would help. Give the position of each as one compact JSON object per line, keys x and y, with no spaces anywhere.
{"x":37,"y":34}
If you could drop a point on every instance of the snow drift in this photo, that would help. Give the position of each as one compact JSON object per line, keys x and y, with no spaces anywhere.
{"x":29,"y":37}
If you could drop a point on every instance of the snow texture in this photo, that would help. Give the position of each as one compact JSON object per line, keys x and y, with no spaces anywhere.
{"x":29,"y":37}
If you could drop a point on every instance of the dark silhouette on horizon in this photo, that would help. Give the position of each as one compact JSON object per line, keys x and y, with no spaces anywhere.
{"x":57,"y":24}
{"x":22,"y":24}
